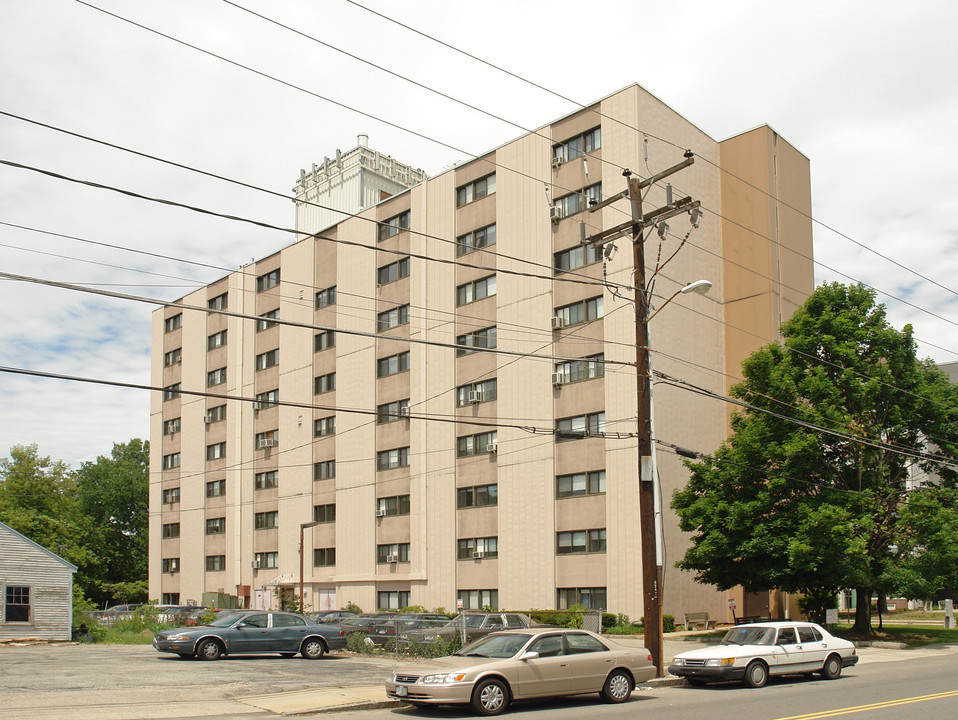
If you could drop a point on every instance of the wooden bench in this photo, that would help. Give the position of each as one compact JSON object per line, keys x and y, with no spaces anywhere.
{"x":692,"y":620}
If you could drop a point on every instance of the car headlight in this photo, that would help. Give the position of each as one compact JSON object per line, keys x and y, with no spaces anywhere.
{"x":720,"y":662}
{"x":442,"y":679}
{"x":678,"y":661}
{"x":179,"y":637}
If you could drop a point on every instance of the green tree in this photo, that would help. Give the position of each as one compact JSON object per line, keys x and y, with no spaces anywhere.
{"x":783,"y":504}
{"x":926,"y":544}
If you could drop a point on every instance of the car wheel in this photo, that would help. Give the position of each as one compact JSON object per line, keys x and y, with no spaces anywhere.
{"x":832,"y":667}
{"x":209,"y":650}
{"x":756,"y":674}
{"x":287,"y":655}
{"x":618,"y":687}
{"x":490,"y":697}
{"x":313,"y":649}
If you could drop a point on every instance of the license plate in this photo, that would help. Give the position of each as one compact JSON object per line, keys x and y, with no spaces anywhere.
{"x":401,"y":691}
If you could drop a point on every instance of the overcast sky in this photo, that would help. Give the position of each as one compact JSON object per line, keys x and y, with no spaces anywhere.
{"x":865,"y":89}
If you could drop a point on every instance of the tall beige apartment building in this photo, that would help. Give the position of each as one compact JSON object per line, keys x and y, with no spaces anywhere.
{"x":436,"y":396}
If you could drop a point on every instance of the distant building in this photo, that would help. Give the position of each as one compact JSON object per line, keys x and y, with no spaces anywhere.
{"x":451,"y":424}
{"x":36,"y":590}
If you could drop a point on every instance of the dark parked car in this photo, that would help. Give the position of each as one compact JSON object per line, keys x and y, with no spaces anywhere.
{"x":362,"y":621}
{"x":384,"y":629}
{"x":478,"y":624}
{"x":252,"y":631}
{"x":118,"y":612}
{"x":330,"y":616}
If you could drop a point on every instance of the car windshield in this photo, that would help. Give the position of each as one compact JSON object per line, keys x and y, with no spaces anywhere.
{"x":749,"y":636}
{"x":226,"y":619}
{"x":495,"y":646}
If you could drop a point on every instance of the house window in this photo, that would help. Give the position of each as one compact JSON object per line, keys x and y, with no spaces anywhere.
{"x":392,"y":364}
{"x":477,"y":392}
{"x":476,"y":240}
{"x":266,"y":480}
{"x":477,"y":496}
{"x":478,"y":444}
{"x":326,"y":297}
{"x":173,"y":357}
{"x":267,"y":359}
{"x":171,"y":495}
{"x":394,"y":225}
{"x":392,"y":553}
{"x":215,"y":526}
{"x":324,"y":426}
{"x":216,"y":340}
{"x":263,"y":322}
{"x":324,"y":513}
{"x":485,"y":338}
{"x":216,"y":451}
{"x":171,"y":427}
{"x":590,"y":598}
{"x":579,"y":201}
{"x":479,"y":599}
{"x":266,"y":560}
{"x":580,"y":426}
{"x":324,"y":341}
{"x":267,"y":281}
{"x":173,"y":323}
{"x":590,"y":483}
{"x":215,"y":488}
{"x":216,"y":377}
{"x":579,"y":145}
{"x":393,"y":271}
{"x":324,"y":470}
{"x":266,"y":520}
{"x":584,"y":369}
{"x":473,"y":291}
{"x":266,"y":400}
{"x":171,"y":530}
{"x":576,"y":257}
{"x":324,"y":383}
{"x":580,"y":541}
{"x":393,"y":318}
{"x":215,"y":563}
{"x":218,"y":303}
{"x":171,"y":565}
{"x":475,"y":190}
{"x":396,"y":505}
{"x":392,"y":599}
{"x":388,"y":459}
{"x":216,"y":414}
{"x":469,"y":548}
{"x":171,"y":392}
{"x":171,"y":461}
{"x":267,"y":439}
{"x":324,"y":557}
{"x":170,"y":598}
{"x":390,"y":412}
{"x":580,"y":312}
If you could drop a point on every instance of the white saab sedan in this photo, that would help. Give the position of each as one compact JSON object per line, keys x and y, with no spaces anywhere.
{"x":754,"y":652}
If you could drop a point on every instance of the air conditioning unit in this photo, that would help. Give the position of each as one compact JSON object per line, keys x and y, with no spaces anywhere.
{"x":178,"y":361}
{"x":404,"y":411}
{"x":556,"y":213}
{"x":558,"y":378}
{"x":478,"y":555}
{"x":557,"y":160}
{"x":392,"y":558}
{"x":266,"y":443}
{"x":475,"y":396}
{"x":171,"y":428}
{"x":492,"y":447}
{"x":558,"y":323}
{"x":381,"y":512}
{"x":257,"y":406}
{"x":207,"y":419}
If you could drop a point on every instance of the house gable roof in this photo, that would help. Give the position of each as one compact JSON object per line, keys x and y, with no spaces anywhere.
{"x":24,"y":538}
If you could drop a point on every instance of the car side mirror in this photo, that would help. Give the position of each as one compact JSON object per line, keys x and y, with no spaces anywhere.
{"x":531,"y":655}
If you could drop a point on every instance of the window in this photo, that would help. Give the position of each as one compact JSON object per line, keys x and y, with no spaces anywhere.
{"x":478,"y":392}
{"x":475,"y":190}
{"x":324,"y":383}
{"x":215,"y":488}
{"x":173,"y":357}
{"x":171,"y":392}
{"x":326,"y":297}
{"x":590,"y":483}
{"x":470,"y":292}
{"x":170,"y":599}
{"x":215,"y":563}
{"x":396,"y":505}
{"x":265,"y":520}
{"x":590,"y":598}
{"x":266,"y":480}
{"x":173,"y":323}
{"x":171,"y":530}
{"x":808,"y":634}
{"x":485,"y":338}
{"x":580,"y":426}
{"x":171,"y":495}
{"x":216,"y":414}
{"x":266,"y":400}
{"x":469,"y":548}
{"x":479,"y":599}
{"x":476,"y":240}
{"x":171,"y":461}
{"x":215,"y":526}
{"x":576,"y":257}
{"x":216,"y":377}
{"x":171,"y":565}
{"x":216,"y":340}
{"x":324,"y":470}
{"x":267,"y":439}
{"x":392,"y":364}
{"x":393,"y":271}
{"x":579,"y":201}
{"x":392,"y":599}
{"x":390,"y":412}
{"x":580,"y":312}
{"x":580,"y":541}
{"x":324,"y":426}
{"x":218,"y":303}
{"x":579,"y":145}
{"x":267,"y":281}
{"x":266,"y":559}
{"x":216,"y":451}
{"x":324,"y":341}
{"x":263,"y":321}
{"x":267,"y":359}
{"x":388,"y":459}
{"x":477,"y":496}
{"x":324,"y":513}
{"x":584,"y":369}
{"x":324,"y":557}
{"x":392,"y":553}
{"x":394,"y":225}
{"x":171,"y":427}
{"x":477,"y":444}
{"x":392,"y":318}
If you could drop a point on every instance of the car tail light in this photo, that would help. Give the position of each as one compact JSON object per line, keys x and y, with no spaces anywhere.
{"x":342,"y":632}
{"x":650,"y":657}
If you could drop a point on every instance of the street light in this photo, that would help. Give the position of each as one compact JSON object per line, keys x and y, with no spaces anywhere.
{"x":302,"y":530}
{"x":699,"y":287}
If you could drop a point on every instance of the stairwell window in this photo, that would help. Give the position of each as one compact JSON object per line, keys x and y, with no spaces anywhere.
{"x":215,"y":488}
{"x":324,"y":341}
{"x":576,"y":484}
{"x":576,"y":257}
{"x":215,"y":563}
{"x":581,"y":312}
{"x":485,"y":338}
{"x":325,"y":298}
{"x":220,"y":302}
{"x":324,"y":513}
{"x":324,"y":557}
{"x":477,"y":290}
{"x":173,"y":323}
{"x":475,"y":190}
{"x":392,"y":364}
{"x":266,"y":480}
{"x":216,"y":377}
{"x":580,"y":426}
{"x":324,"y":426}
{"x":267,"y":281}
{"x":394,"y":317}
{"x":171,"y":461}
{"x":263,"y":321}
{"x":476,"y":240}
{"x":395,"y":458}
{"x":394,"y":225}
{"x":324,"y":383}
{"x":324,"y":470}
{"x":215,"y":526}
{"x":477,"y":496}
{"x":217,"y":451}
{"x":390,"y":412}
{"x":393,"y":271}
{"x":266,"y":520}
{"x":216,"y":340}
{"x":579,"y":145}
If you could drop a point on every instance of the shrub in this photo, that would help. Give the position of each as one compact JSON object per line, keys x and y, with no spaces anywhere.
{"x":352,"y":607}
{"x":668,"y":623}
{"x":609,"y":621}
{"x":356,"y":642}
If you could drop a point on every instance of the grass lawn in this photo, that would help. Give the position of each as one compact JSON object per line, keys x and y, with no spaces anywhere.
{"x":913,"y":634}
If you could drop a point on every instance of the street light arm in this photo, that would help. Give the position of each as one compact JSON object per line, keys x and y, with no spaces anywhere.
{"x":699,"y":286}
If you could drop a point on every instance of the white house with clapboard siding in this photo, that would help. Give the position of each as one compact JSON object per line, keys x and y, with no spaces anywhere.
{"x":36,"y":590}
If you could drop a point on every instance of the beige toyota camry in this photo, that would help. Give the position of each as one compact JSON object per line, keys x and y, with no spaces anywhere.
{"x":520,"y":664}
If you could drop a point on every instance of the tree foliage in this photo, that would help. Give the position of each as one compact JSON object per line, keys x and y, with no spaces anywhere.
{"x":805,"y":494}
